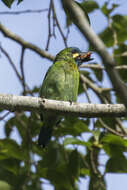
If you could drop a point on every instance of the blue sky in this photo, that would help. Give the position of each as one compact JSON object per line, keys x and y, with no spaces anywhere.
{"x":33,"y":28}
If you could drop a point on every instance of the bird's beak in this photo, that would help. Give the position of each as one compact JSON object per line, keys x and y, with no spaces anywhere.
{"x":82,"y":57}
{"x":85,"y":56}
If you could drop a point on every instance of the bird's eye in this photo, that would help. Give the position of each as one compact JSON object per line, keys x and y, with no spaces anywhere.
{"x":75,"y":55}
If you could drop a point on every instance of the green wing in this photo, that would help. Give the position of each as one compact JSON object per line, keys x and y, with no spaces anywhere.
{"x":60,"y":83}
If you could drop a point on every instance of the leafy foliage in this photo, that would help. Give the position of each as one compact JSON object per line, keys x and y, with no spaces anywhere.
{"x":90,"y":6}
{"x":8,"y":3}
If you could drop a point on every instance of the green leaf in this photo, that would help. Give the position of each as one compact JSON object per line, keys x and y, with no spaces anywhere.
{"x":74,"y":164}
{"x":89,"y":5}
{"x":119,"y":24}
{"x":57,"y":177}
{"x":107,"y":37}
{"x":9,"y":126}
{"x":9,"y":148}
{"x":53,"y":161}
{"x":12,"y":165}
{"x":8,"y":3}
{"x":117,"y":28}
{"x":117,"y":18}
{"x":96,"y":135}
{"x":107,"y":10}
{"x":20,"y":122}
{"x":35,"y":124}
{"x":121,"y":59}
{"x":97,"y":182}
{"x":118,"y":53}
{"x":72,"y":126}
{"x":36,"y":149}
{"x":120,"y":28}
{"x":76,"y":141}
{"x":19,"y":1}
{"x":117,"y":164}
{"x":98,"y":74}
{"x":8,"y":174}
{"x":23,"y":123}
{"x":4,"y":185}
{"x":84,"y":172}
{"x":110,"y":122}
{"x":116,"y":140}
{"x":51,"y":156}
{"x":114,"y":145}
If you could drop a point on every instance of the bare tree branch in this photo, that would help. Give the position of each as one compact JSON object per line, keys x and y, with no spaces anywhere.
{"x":97,"y":89}
{"x":26,"y":103}
{"x":110,"y":129}
{"x":4,"y":116}
{"x":22,"y":69}
{"x":22,"y":12}
{"x":51,"y":30}
{"x":121,"y":127}
{"x":58,"y":24}
{"x":25,"y":44}
{"x":11,"y":62}
{"x":78,"y":17}
{"x":99,"y":67}
{"x":14,"y":67}
{"x":49,"y":26}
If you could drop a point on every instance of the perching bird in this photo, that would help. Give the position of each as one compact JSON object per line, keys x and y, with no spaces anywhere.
{"x":60,"y":83}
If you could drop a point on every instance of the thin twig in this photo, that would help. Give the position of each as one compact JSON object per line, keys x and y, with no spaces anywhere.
{"x":97,"y":89}
{"x":22,"y":70}
{"x":5,"y":115}
{"x":22,"y":42}
{"x":11,"y":63}
{"x":22,"y":12}
{"x":113,"y":31}
{"x":49,"y":26}
{"x":103,"y":99}
{"x":99,"y":67}
{"x":68,"y":32}
{"x":121,"y":126}
{"x":124,"y":54}
{"x":110,"y":129}
{"x":58,"y":25}
{"x":13,"y":66}
{"x":85,"y":91}
{"x":93,"y":164}
{"x":54,"y":27}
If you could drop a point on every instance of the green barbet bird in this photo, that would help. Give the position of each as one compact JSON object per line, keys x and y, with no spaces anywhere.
{"x":60,"y":83}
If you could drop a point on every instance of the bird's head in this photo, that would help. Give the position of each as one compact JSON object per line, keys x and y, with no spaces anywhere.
{"x":73,"y":53}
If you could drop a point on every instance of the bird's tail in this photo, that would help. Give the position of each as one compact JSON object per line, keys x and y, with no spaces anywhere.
{"x":44,"y":136}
